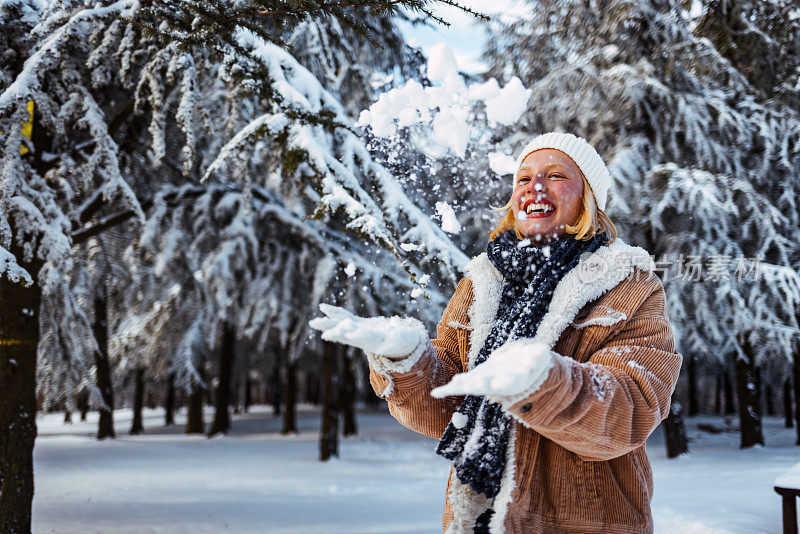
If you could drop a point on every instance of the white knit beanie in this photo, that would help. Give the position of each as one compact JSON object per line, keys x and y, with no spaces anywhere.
{"x":582,"y":153}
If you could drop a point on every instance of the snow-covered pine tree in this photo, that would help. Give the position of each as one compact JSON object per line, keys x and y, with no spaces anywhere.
{"x":254,"y":263}
{"x":393,"y":196}
{"x":98,"y":284}
{"x":699,"y":150}
{"x":70,"y":158}
{"x":762,"y":41}
{"x":318,"y":157}
{"x":261,"y":167}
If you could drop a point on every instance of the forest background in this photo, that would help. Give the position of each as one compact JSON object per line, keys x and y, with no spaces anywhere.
{"x":181,"y":184}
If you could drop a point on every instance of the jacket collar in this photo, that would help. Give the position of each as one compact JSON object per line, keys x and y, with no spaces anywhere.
{"x":594,"y":276}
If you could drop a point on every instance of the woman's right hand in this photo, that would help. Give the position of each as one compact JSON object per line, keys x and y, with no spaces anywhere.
{"x":393,"y":337}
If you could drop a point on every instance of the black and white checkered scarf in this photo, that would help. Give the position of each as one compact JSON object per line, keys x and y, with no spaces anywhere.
{"x":478,"y":448}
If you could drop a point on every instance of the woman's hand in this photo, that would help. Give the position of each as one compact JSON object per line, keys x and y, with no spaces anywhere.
{"x":393,"y":337}
{"x":517,"y":367}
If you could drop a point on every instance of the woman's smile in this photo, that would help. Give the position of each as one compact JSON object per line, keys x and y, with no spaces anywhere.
{"x":536,"y":208}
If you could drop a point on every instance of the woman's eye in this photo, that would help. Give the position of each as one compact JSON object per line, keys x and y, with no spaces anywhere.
{"x":523,"y":180}
{"x":557,"y":176}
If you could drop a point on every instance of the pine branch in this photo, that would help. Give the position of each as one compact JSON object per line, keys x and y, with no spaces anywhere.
{"x":194,"y":23}
{"x":386,"y":7}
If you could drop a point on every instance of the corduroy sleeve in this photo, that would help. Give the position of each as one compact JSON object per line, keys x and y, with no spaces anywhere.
{"x":406,"y":383}
{"x":609,"y":405}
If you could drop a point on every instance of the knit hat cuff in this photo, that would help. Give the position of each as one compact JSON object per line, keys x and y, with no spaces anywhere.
{"x":582,"y":153}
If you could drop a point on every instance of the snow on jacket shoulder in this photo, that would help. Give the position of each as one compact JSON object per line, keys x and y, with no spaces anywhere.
{"x":576,"y":455}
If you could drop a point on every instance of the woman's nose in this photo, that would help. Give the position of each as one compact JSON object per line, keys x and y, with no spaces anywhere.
{"x":535,"y":185}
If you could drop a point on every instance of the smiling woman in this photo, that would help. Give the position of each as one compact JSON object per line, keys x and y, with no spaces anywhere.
{"x":552,"y":363}
{"x":551,"y":198}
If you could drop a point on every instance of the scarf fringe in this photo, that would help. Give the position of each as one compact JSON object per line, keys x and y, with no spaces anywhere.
{"x":467,"y":506}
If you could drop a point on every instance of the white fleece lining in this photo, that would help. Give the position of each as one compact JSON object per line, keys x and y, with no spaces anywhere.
{"x":571,"y":294}
{"x":487,"y":284}
{"x":507,"y":485}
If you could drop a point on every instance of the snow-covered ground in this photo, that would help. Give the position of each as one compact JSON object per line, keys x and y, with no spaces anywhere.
{"x":387,"y":479}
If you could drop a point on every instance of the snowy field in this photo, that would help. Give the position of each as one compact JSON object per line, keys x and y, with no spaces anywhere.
{"x":387,"y":479}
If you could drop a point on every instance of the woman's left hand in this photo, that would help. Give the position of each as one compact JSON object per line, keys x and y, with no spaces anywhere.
{"x":519,"y":366}
{"x":393,"y":337}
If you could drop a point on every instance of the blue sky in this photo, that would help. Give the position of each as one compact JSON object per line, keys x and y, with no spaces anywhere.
{"x":464,"y":36}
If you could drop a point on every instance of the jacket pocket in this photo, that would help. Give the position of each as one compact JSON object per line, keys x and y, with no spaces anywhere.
{"x":589,"y":487}
{"x":625,"y":489}
{"x":557,"y":484}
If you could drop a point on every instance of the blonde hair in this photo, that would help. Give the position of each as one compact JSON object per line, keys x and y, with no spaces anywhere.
{"x":591,"y":221}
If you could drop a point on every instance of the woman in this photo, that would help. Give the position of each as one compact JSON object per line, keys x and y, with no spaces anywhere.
{"x":552,"y":364}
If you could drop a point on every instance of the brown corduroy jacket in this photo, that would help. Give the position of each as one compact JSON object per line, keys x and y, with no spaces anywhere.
{"x":576,"y":459}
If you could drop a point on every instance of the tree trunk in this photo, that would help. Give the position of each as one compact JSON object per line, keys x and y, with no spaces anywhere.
{"x":768,"y":400}
{"x":749,"y":420}
{"x":105,"y":424}
{"x":347,"y":392}
{"x":369,"y":397}
{"x":150,"y":400}
{"x":211,"y":396}
{"x":276,"y":388}
{"x":235,"y":396}
{"x":796,"y":383}
{"x":290,"y":398}
{"x":248,"y":393}
{"x":718,"y":394}
{"x":329,"y":432}
{"x":758,"y":393}
{"x":787,"y":404}
{"x":222,"y":419}
{"x":83,"y":404}
{"x":691,"y":375}
{"x":67,"y":417}
{"x":169,"y":404}
{"x":19,"y":336}
{"x":730,"y":407}
{"x":137,"y":427}
{"x":313,"y":389}
{"x":675,"y":430}
{"x":194,"y":415}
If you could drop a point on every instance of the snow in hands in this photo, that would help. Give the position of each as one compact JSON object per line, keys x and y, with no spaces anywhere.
{"x":393,"y":337}
{"x":518,"y":367}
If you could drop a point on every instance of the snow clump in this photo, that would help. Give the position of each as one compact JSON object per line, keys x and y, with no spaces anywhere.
{"x":446,"y":106}
{"x":450,"y":223}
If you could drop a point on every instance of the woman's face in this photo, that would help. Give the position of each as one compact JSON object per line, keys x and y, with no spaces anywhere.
{"x":547,"y":196}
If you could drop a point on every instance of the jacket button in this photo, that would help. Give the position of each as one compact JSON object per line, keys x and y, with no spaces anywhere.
{"x":525,"y":408}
